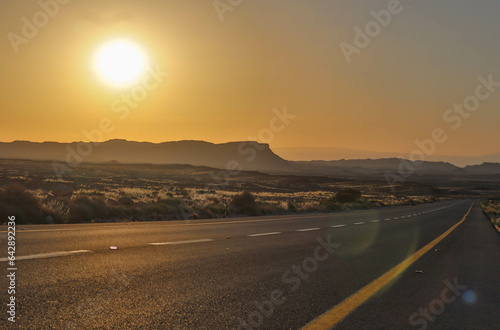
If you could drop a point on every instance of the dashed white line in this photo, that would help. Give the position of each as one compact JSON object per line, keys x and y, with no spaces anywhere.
{"x":404,"y":216}
{"x":308,"y":229}
{"x":184,"y":242}
{"x":359,"y":223}
{"x":265,"y":234}
{"x":338,"y":226}
{"x":395,"y":218}
{"x":388,"y":219}
{"x":49,"y":255}
{"x":375,"y":220}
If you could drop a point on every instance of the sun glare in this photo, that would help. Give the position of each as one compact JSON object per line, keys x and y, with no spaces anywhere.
{"x":120,"y":63}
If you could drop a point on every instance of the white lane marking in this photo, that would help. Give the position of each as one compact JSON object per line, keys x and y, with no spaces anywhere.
{"x":184,"y":242}
{"x":375,"y":220}
{"x":308,"y":229}
{"x":414,"y":214}
{"x":265,"y":234}
{"x":404,"y":216}
{"x":396,"y":218}
{"x":359,"y":223}
{"x":49,"y":255}
{"x":338,"y":226}
{"x":388,"y":219}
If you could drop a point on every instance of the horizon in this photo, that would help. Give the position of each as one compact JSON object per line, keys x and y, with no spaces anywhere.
{"x":459,"y":161}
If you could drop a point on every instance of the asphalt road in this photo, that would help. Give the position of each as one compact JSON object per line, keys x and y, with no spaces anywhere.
{"x":268,"y":272}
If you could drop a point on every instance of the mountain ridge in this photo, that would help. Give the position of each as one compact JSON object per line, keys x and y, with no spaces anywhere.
{"x":320,"y":153}
{"x":237,"y":155}
{"x":247,"y":155}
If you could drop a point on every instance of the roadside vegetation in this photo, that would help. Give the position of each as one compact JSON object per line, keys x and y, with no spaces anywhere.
{"x":62,"y":205}
{"x":110,"y":192}
{"x":492,"y":210}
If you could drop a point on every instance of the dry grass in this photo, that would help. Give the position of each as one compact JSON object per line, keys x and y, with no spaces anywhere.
{"x":163,"y":192}
{"x":492,"y":210}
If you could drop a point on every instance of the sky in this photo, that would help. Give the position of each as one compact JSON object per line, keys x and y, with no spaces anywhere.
{"x":222,"y":72}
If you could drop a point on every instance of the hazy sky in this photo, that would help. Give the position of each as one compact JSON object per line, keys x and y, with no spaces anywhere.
{"x":225,"y":77}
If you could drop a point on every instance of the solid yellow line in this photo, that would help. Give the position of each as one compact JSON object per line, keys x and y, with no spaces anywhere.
{"x":339,"y":312}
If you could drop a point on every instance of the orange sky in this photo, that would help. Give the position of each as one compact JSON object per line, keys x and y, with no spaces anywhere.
{"x":226,"y":77}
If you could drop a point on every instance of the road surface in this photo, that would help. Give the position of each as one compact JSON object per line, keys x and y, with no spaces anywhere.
{"x":275,"y":272}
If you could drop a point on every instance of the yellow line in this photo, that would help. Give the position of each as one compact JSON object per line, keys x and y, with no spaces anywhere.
{"x":339,"y":312}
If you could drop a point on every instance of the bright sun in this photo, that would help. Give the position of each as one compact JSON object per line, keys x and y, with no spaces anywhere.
{"x":120,"y":63}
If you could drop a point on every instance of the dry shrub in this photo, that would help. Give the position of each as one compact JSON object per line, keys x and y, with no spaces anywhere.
{"x":16,"y":201}
{"x":245,"y":203}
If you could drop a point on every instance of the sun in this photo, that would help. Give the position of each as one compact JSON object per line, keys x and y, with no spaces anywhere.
{"x":120,"y":63}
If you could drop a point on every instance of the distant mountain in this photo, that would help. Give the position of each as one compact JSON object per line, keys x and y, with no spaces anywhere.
{"x":377,"y":166}
{"x":307,"y":154}
{"x":471,"y":160}
{"x":485,"y":168}
{"x":246,"y":155}
{"x":233,"y":155}
{"x":388,"y":164}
